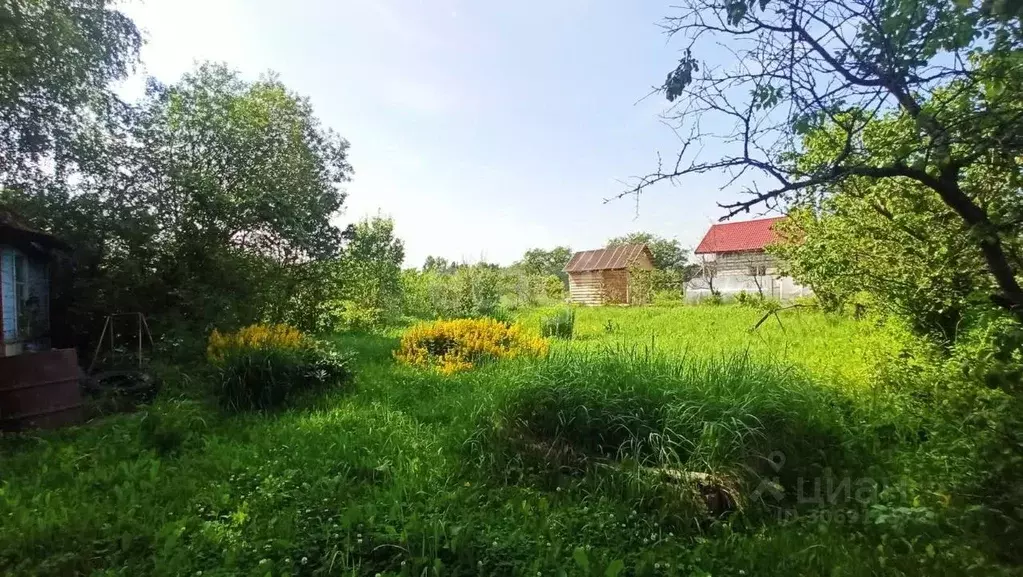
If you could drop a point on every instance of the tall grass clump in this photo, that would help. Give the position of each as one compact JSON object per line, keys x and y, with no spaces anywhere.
{"x":262,"y":367}
{"x":726,"y":421}
{"x":561,"y":324}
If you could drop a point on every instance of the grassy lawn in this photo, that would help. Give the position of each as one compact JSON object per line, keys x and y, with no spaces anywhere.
{"x":635,"y":449}
{"x":832,"y":350}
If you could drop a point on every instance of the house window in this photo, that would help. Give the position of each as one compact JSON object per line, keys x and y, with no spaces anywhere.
{"x":25,"y":303}
{"x":20,"y":286}
{"x":758,"y":270}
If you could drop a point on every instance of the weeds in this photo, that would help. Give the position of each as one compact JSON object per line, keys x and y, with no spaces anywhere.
{"x":263,"y":367}
{"x":608,"y":456}
{"x":561,"y":324}
{"x":658,"y":418}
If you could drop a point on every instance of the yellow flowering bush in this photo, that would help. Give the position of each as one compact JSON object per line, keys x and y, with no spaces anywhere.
{"x":255,"y":337}
{"x":460,"y":344}
{"x":263,"y":366}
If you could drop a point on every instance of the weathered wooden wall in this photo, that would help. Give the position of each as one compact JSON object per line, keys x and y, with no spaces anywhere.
{"x":616,"y":287}
{"x":607,"y":286}
{"x":740,"y":262}
{"x":586,"y":288}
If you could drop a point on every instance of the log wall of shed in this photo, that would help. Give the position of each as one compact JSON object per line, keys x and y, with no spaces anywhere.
{"x":616,"y":287}
{"x":595,"y":288}
{"x":586,"y":288}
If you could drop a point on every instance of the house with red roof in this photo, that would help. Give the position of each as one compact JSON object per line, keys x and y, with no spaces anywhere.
{"x":733,"y":258}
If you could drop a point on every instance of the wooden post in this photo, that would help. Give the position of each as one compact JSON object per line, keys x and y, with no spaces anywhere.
{"x":140,"y":339}
{"x":149,"y":333}
{"x":99,"y":343}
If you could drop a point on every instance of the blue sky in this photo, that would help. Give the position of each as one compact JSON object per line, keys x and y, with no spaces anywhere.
{"x":484,"y":129}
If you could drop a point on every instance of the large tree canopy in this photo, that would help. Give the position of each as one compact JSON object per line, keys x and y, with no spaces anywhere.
{"x":198,"y":202}
{"x":949,"y":72}
{"x":537,"y":261}
{"x":57,"y":61}
{"x":893,"y":239}
{"x":241,"y":163}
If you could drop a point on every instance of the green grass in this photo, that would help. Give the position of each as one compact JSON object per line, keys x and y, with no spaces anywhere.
{"x":835,"y":350}
{"x":548,"y":467}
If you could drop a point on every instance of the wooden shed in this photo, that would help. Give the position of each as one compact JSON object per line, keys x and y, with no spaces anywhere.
{"x":604,"y":276}
{"x":39,"y":385}
{"x":25,"y":255}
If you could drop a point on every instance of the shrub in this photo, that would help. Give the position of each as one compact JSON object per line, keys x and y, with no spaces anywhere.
{"x":668,"y":298}
{"x":478,"y":290}
{"x":745,"y":299}
{"x":554,"y":287}
{"x":470,"y":291}
{"x":461,"y":344}
{"x":347,"y":315}
{"x":262,"y":367}
{"x":527,"y":290}
{"x":561,"y":324}
{"x":276,"y":337}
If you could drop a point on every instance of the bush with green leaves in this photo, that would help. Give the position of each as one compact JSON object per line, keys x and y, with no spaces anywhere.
{"x":361,"y":289}
{"x":198,"y":233}
{"x":267,"y":378}
{"x":464,"y":291}
{"x":716,"y":298}
{"x":668,"y":298}
{"x":521,"y":289}
{"x":347,"y":315}
{"x":560,"y":324}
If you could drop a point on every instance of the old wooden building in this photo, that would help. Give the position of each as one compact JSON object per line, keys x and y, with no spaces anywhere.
{"x":25,"y":255}
{"x":605,"y":276}
{"x":38,"y":385}
{"x":733,"y":259}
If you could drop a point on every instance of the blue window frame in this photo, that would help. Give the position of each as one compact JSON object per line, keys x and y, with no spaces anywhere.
{"x":24,"y":283}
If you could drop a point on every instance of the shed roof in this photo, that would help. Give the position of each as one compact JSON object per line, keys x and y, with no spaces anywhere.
{"x":747,"y":235}
{"x":611,"y":258}
{"x":14,"y":228}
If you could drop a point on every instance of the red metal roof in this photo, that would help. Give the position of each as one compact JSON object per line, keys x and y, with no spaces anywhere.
{"x":611,"y":258}
{"x":739,"y":236}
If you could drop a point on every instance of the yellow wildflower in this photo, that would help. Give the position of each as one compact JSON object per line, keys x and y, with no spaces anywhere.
{"x":457,"y":345}
{"x":258,"y":336}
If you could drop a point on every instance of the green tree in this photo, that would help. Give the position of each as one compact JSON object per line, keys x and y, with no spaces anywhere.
{"x":58,"y":59}
{"x":371,"y":265}
{"x":241,"y":163}
{"x":201,"y":206}
{"x":948,"y":70}
{"x":439,"y":264}
{"x":893,"y":241}
{"x":540,"y":262}
{"x":668,"y":252}
{"x":360,"y":289}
